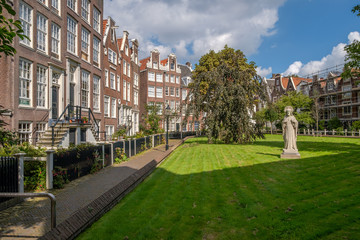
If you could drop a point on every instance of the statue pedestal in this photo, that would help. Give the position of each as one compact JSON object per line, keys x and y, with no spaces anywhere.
{"x":290,"y":154}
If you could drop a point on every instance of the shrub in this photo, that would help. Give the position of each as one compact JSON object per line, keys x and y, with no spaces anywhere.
{"x":334,"y":123}
{"x":339,"y":131}
{"x":355,"y":126}
{"x":34,"y":175}
{"x":60,"y":177}
{"x":97,"y":165}
{"x":120,"y":155}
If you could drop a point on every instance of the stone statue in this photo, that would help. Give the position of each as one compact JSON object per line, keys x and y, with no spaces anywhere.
{"x":289,"y":128}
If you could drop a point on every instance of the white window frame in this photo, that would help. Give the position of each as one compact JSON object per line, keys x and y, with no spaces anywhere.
{"x":96,"y":93}
{"x":166,"y":77}
{"x":106,"y":78}
{"x":136,"y":98}
{"x":118,"y":83}
{"x":72,"y":4}
{"x":85,"y":82}
{"x":172,"y":78}
{"x":113,"y":107}
{"x":55,"y":4}
{"x":41,"y":32}
{"x":112,"y":56}
{"x":184,"y":94}
{"x":96,"y":19}
{"x":128,"y":69}
{"x":167,"y":91}
{"x":85,"y":44}
{"x":96,"y":50}
{"x":26,"y":16}
{"x":71,"y":35}
{"x":172,"y":91}
{"x":151,"y":77}
{"x":25,"y":82}
{"x":160,"y":108}
{"x":159,"y":92}
{"x":151,"y":91}
{"x":177,"y":79}
{"x":85,"y":10}
{"x":106,"y":106}
{"x":346,"y":113}
{"x":136,"y":79}
{"x":159,"y":77}
{"x":124,"y":89}
{"x":128,"y":98}
{"x":41,"y":93}
{"x":177,"y":90}
{"x":55,"y":39}
{"x":112,"y":80}
{"x":124,"y":67}
{"x":25,"y":131}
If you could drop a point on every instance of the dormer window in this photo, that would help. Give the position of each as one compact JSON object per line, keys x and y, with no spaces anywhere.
{"x":172,"y":65}
{"x":155,"y":65}
{"x":126,"y":50}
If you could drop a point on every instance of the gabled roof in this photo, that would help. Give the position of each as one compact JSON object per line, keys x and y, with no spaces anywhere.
{"x":119,"y":42}
{"x":164,"y":62}
{"x":104,"y":26}
{"x":284,"y":82}
{"x":143,"y":63}
{"x":298,"y":80}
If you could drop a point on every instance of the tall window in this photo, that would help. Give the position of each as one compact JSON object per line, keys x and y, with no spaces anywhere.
{"x":106,"y":106}
{"x":25,"y":15}
{"x":85,"y":35}
{"x":40,"y":130}
{"x":172,"y":79}
{"x":166,"y":91}
{"x":136,"y":79}
{"x":96,"y":50}
{"x":160,"y":108}
{"x":85,"y":5}
{"x":177,"y":92}
{"x":151,"y":76}
{"x":41,"y":32}
{"x":128,"y":70}
{"x":24,"y":131}
{"x":113,"y":107}
{"x":124,"y":89}
{"x":118,"y":83}
{"x":72,"y":4}
{"x":151,"y":91}
{"x":55,"y":4}
{"x":96,"y":93}
{"x":41,"y":86}
{"x":96,"y":20}
{"x":172,"y":91}
{"x":159,"y":92}
{"x":128,"y":92}
{"x":112,"y":56}
{"x":136,"y":98}
{"x":85,"y":88}
{"x":112,"y":80}
{"x":159,"y":77}
{"x":25,"y":82}
{"x":71,"y":35}
{"x":106,"y":78}
{"x":177,"y":79}
{"x":166,"y":77}
{"x":347,"y":92}
{"x":55,"y":39}
{"x":124,"y":67}
{"x":184,"y":94}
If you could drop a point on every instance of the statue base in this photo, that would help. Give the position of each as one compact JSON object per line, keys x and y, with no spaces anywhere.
{"x":290,"y":155}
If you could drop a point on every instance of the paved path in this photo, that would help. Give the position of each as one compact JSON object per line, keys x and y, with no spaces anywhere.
{"x":31,"y":219}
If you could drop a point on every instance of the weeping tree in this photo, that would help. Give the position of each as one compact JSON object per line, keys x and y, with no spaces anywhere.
{"x":225,"y":89}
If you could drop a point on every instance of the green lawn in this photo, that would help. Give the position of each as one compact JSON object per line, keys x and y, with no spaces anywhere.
{"x":224,"y":191}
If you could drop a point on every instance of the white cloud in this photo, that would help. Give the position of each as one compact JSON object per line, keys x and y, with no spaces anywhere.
{"x":336,"y":57}
{"x":263,"y":72}
{"x":177,"y":26}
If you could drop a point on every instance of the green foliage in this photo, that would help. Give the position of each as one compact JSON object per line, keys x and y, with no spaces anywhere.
{"x":30,"y":150}
{"x":355,"y":125}
{"x":340,"y":131}
{"x":8,"y":138}
{"x":120,"y":155}
{"x":225,"y":87}
{"x":322,"y":124}
{"x":9,"y":29}
{"x":121,"y":131}
{"x":97,"y":165}
{"x":334,"y":123}
{"x":152,"y":119}
{"x":34,"y":175}
{"x":60,"y":178}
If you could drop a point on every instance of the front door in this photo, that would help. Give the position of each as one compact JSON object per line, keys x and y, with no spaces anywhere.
{"x":55,"y":103}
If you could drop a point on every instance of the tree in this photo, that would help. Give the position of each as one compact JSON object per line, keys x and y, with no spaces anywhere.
{"x":9,"y":29}
{"x":225,"y":87}
{"x":315,"y":110}
{"x":352,"y":58}
{"x":334,"y":123}
{"x":152,"y":119}
{"x":271,"y":114}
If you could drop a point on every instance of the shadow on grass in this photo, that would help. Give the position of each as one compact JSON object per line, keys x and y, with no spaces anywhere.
{"x":289,"y":199}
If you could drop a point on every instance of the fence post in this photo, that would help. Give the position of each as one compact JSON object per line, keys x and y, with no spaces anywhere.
{"x":135,"y":147}
{"x":345,"y":132}
{"x":153,"y":141}
{"x":103,"y":153}
{"x":20,"y":157}
{"x":49,"y":168}
{"x":112,"y":154}
{"x":304,"y":131}
{"x":333,"y":132}
{"x":129,"y":147}
{"x":325,"y":132}
{"x":145,"y":143}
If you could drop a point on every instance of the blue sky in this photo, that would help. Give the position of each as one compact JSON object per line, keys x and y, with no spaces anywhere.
{"x":280,"y":36}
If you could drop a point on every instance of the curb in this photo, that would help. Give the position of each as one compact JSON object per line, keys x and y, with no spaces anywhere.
{"x":85,"y":217}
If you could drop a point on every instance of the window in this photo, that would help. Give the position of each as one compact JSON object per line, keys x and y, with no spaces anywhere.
{"x":109,"y":129}
{"x":112,"y":80}
{"x":96,"y":93}
{"x":25,"y":15}
{"x":347,"y":92}
{"x":172,"y":65}
{"x":124,"y":67}
{"x":136,"y":98}
{"x":85,"y":88}
{"x":155,"y":65}
{"x":25,"y":82}
{"x":24,"y":132}
{"x":124,"y":89}
{"x":178,"y":105}
{"x":128,"y":92}
{"x":159,"y":77}
{"x":96,"y":50}
{"x":85,"y":5}
{"x":118,"y":83}
{"x":112,"y":56}
{"x":71,"y":35}
{"x":136,"y":79}
{"x":41,"y":32}
{"x":159,"y":92}
{"x":151,"y":91}
{"x":347,"y":110}
{"x":126,"y":50}
{"x":72,"y":4}
{"x":42,"y":1}
{"x":41,"y":86}
{"x":151,"y":77}
{"x":106,"y":78}
{"x":55,"y":39}
{"x":40,"y":130}
{"x":172,"y":91}
{"x":166,"y":91}
{"x":113,"y":107}
{"x":177,"y":92}
{"x":330,"y":85}
{"x":85,"y":35}
{"x":166,"y":77}
{"x":96,"y":20}
{"x":172,"y":105}
{"x":55,"y":4}
{"x":160,"y":108}
{"x":177,"y":79}
{"x":184,"y":94}
{"x":128,"y":70}
{"x":106,"y":106}
{"x":172,"y":79}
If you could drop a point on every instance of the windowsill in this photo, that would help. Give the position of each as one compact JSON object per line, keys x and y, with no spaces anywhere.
{"x":86,"y":21}
{"x":56,"y":59}
{"x":27,"y":46}
{"x":42,"y":108}
{"x":26,"y":107}
{"x":73,"y":54}
{"x":85,"y":61}
{"x":41,"y":52}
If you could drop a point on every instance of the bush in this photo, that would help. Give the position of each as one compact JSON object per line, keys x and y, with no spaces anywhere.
{"x":30,"y":150}
{"x":34,"y":175}
{"x":339,"y":131}
{"x":334,"y":123}
{"x":60,"y":177}
{"x":322,"y":125}
{"x":120,"y":155}
{"x":355,"y":126}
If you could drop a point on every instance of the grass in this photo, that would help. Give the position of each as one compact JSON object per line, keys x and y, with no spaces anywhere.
{"x":224,"y":191}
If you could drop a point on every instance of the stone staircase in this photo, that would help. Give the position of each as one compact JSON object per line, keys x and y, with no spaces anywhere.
{"x":59,"y":132}
{"x":94,"y":132}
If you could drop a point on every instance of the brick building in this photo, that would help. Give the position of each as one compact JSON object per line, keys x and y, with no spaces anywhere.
{"x":59,"y":65}
{"x":160,"y":84}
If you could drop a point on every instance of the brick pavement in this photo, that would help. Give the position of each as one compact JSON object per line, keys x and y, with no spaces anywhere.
{"x":31,"y":219}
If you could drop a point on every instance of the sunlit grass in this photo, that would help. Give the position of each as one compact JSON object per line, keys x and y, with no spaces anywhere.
{"x":221,"y":191}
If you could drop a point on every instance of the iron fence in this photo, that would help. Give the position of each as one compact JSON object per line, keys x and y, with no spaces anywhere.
{"x":8,"y":176}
